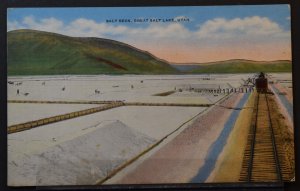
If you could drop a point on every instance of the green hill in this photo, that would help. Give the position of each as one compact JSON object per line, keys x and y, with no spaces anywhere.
{"x":238,"y":66}
{"x":32,"y":52}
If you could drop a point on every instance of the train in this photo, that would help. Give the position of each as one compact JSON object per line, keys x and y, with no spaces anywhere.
{"x":261,"y":83}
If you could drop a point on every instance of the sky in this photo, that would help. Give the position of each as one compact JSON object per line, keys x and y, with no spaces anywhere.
{"x":182,"y":35}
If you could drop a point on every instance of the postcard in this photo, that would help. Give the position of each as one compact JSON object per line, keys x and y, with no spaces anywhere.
{"x":149,"y":95}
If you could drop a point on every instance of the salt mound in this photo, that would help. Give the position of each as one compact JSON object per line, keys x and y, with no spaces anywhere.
{"x":85,"y":159}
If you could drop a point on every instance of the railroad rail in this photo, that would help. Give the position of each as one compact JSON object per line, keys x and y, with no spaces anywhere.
{"x":263,"y":156}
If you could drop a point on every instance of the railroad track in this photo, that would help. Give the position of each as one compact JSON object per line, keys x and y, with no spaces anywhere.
{"x":263,"y":156}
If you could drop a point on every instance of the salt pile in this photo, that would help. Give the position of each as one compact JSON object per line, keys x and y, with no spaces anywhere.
{"x":80,"y":161}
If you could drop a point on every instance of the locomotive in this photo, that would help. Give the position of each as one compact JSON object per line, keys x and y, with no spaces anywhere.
{"x":261,"y":83}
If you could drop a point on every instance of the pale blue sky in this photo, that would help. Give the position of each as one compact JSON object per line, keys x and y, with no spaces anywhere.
{"x":210,"y":30}
{"x":276,"y":13}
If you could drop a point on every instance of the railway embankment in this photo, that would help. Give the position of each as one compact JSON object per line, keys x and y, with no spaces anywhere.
{"x":231,"y":157}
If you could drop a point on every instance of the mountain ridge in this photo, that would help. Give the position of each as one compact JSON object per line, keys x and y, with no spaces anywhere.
{"x":230,"y":60}
{"x":35,"y":52}
{"x":237,"y":66}
{"x":32,"y":52}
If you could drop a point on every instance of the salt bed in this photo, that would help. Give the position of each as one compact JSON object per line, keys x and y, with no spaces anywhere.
{"x":128,"y":88}
{"x":24,"y":112}
{"x":24,"y":147}
{"x":281,"y":76}
{"x":211,"y":98}
{"x":284,"y":81}
{"x":185,"y":153}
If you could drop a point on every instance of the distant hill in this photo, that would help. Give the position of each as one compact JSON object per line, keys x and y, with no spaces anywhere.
{"x":236,"y":66}
{"x":33,"y":52}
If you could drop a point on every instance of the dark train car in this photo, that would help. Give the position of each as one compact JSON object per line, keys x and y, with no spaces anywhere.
{"x":261,"y":83}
